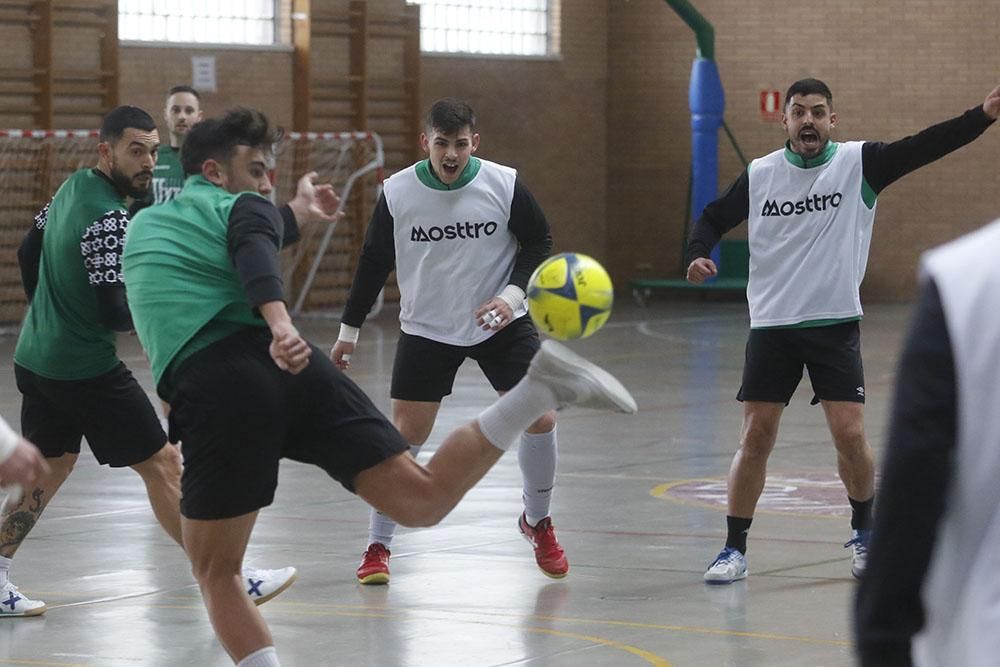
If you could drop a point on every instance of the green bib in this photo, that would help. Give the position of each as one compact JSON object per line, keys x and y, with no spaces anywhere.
{"x":183,"y":289}
{"x":62,"y":337}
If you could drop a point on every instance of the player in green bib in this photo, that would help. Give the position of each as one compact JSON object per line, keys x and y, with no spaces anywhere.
{"x":182,"y":111}
{"x":246,"y":390}
{"x":66,"y":365}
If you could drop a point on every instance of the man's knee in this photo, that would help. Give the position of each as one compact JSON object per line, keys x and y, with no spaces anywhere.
{"x":405,"y":491}
{"x":850,"y":439}
{"x":421,"y":512}
{"x":162,"y":467}
{"x":758,"y":437}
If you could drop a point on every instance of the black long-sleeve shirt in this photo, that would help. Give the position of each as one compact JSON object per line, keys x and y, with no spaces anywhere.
{"x":917,"y":473}
{"x":378,"y":254}
{"x":882,"y":165}
{"x":256,"y":232}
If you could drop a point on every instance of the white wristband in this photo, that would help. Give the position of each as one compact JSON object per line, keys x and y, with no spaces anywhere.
{"x":513,"y":296}
{"x":8,"y":440}
{"x":348,"y":334}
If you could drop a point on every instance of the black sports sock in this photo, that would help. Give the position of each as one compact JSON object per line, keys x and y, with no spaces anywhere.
{"x":861,"y":513}
{"x":738,"y":528}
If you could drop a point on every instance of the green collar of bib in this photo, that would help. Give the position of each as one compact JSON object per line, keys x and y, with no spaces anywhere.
{"x":804,"y":163}
{"x":428,"y":177}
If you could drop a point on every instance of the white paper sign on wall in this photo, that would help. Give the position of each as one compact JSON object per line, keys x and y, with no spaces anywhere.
{"x":203,"y":73}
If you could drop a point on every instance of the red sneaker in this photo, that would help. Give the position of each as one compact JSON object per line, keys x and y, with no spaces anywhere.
{"x":549,"y":555}
{"x":374,"y":568}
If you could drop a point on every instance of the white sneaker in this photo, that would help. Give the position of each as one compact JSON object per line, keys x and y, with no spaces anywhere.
{"x":729,"y":566}
{"x":262,"y":585}
{"x":16,"y":603}
{"x":859,"y":551}
{"x":576,"y":381}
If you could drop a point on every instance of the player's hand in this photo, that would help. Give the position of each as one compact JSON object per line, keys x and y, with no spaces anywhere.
{"x":494,"y":315}
{"x":991,"y":107}
{"x":24,"y":466}
{"x":315,"y":203}
{"x":701,"y":269}
{"x":289,"y":350}
{"x":341,"y":353}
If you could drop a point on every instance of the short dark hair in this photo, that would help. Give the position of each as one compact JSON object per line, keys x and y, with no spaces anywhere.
{"x":450,"y":115}
{"x":184,"y":89}
{"x":217,"y":138}
{"x":118,"y":119}
{"x":809,"y":87}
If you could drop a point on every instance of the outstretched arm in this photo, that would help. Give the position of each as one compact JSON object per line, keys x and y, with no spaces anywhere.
{"x":885,"y":163}
{"x":312,"y":203}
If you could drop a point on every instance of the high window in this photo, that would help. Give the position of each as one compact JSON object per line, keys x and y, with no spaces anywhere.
{"x":499,"y":27}
{"x":199,"y":21}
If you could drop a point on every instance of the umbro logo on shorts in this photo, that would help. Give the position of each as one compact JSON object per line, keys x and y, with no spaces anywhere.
{"x":459,"y":230}
{"x":861,"y":391}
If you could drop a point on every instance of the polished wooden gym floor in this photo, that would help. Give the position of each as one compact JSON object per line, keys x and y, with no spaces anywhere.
{"x":639,"y":507}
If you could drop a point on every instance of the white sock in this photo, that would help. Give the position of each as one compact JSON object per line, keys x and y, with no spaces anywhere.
{"x":515,"y":411}
{"x":380,"y":527}
{"x":4,"y":570}
{"x":536,"y":454}
{"x":265,"y":657}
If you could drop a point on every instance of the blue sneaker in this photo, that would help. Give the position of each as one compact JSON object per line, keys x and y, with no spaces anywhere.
{"x":859,"y":551}
{"x":729,"y":566}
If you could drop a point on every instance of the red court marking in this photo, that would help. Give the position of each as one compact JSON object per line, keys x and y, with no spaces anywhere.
{"x":807,"y":493}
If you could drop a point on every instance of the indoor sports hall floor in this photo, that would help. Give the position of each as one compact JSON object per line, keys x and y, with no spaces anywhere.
{"x":639,"y":507}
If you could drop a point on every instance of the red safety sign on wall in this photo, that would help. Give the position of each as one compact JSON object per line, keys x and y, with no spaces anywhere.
{"x":770,"y":105}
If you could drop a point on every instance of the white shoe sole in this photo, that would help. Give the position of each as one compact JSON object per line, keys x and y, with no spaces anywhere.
{"x":38,"y":611}
{"x":603,"y":383}
{"x":721,"y":582}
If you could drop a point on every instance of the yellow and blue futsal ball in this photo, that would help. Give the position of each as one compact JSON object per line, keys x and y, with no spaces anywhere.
{"x":570,"y":296}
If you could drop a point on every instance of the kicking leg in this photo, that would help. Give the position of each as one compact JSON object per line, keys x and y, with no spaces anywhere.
{"x":422,"y":496}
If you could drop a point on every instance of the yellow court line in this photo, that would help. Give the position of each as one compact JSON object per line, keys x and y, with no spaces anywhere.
{"x":649,"y":657}
{"x":39,"y":663}
{"x":660,"y":492}
{"x":313,"y":609}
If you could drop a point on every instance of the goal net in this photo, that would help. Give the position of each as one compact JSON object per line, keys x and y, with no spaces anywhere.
{"x":317,"y":270}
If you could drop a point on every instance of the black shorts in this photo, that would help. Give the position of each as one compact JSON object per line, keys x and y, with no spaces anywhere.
{"x":237,"y":414}
{"x":424,"y":369}
{"x":832,"y":355}
{"x":111,"y":411}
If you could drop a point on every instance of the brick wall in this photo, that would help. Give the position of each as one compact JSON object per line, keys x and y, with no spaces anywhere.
{"x":601,"y":133}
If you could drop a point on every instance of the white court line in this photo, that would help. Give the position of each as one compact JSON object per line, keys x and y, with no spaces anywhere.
{"x":49,"y":518}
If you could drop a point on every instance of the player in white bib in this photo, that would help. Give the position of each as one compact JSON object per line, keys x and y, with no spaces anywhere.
{"x":464,"y":236}
{"x":810,"y":207}
{"x":929,"y":596}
